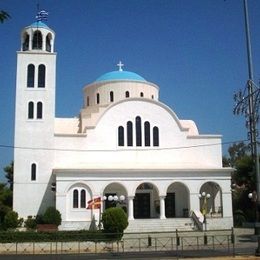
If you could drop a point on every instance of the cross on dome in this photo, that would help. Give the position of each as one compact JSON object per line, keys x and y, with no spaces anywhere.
{"x":120,"y":65}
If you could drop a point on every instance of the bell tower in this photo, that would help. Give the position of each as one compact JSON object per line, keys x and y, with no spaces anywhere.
{"x":34,"y":120}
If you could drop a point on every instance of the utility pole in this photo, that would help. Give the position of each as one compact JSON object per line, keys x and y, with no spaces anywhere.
{"x":247,"y":103}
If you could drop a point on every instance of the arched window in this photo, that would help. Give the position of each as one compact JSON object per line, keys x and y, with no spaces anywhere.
{"x":30,"y":110}
{"x":138,"y":131}
{"x":75,"y":199}
{"x":127,"y":95}
{"x":30,"y":76}
{"x":129,"y":133}
{"x":147,"y":141}
{"x":121,"y":136}
{"x":111,"y":96}
{"x":41,"y":76}
{"x":98,"y":99}
{"x":26,"y":42}
{"x":48,"y":42}
{"x":33,"y":172}
{"x":83,"y":199}
{"x":37,"y":41}
{"x":152,"y":96}
{"x":39,"y":110}
{"x":155,"y":136}
{"x":141,"y":94}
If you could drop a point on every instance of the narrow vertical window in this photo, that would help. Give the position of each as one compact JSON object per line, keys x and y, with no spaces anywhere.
{"x":155,"y":136}
{"x":138,"y":131}
{"x":33,"y":172}
{"x":75,"y":199}
{"x":30,"y":110}
{"x":41,"y":76}
{"x":98,"y":100}
{"x":37,"y":41}
{"x":121,"y":136}
{"x":83,"y":199}
{"x":152,"y":96}
{"x":30,"y":76}
{"x":111,"y":96}
{"x":39,"y":110}
{"x":129,"y":133}
{"x":141,"y":94}
{"x":87,"y":101}
{"x":147,"y":141}
{"x":127,"y":95}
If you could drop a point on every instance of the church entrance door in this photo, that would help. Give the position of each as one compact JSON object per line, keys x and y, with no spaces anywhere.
{"x":142,"y":205}
{"x":170,"y":205}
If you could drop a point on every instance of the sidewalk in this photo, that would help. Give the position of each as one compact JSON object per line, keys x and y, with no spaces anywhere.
{"x":225,"y":258}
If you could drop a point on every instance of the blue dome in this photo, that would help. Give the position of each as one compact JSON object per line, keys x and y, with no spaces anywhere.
{"x":39,"y":24}
{"x":120,"y":75}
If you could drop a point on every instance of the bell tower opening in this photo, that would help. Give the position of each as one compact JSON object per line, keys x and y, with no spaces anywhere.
{"x":26,"y":42}
{"x":48,"y":42}
{"x":37,"y":40}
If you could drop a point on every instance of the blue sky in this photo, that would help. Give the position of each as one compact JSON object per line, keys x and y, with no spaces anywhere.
{"x":193,"y":49}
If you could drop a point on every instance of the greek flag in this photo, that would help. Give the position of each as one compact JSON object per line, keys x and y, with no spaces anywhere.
{"x":42,"y":16}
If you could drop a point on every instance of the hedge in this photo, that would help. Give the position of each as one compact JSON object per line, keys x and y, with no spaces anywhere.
{"x":59,"y":236}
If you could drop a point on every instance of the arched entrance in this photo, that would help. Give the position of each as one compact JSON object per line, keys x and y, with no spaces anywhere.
{"x":177,"y":201}
{"x":115,"y":195}
{"x":146,"y":201}
{"x":214,"y":203}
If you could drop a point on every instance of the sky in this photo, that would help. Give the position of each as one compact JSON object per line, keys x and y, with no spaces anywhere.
{"x":194,"y":50}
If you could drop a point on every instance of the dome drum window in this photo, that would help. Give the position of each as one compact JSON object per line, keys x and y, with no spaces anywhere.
{"x":139,"y":129}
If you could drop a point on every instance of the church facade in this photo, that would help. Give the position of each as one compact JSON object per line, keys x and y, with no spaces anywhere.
{"x":125,"y":149}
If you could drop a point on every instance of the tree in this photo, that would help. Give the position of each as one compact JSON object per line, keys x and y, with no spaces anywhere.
{"x":10,"y":174}
{"x":243,"y":181}
{"x":5,"y":201}
{"x":11,"y":220}
{"x":4,"y":16}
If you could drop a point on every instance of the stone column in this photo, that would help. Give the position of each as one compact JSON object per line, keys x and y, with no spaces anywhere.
{"x":131,"y":208}
{"x":162,"y":207}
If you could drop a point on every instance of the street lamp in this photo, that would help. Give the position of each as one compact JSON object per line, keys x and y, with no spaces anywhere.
{"x":253,"y":197}
{"x":204,"y":206}
{"x":114,"y":198}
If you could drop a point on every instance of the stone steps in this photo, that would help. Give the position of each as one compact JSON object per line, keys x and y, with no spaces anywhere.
{"x":160,"y":225}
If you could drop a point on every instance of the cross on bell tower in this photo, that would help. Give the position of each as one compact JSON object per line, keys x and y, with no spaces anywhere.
{"x":120,"y":66}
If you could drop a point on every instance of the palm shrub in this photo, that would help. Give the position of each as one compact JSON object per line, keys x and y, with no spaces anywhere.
{"x":114,"y":221}
{"x":52,"y":216}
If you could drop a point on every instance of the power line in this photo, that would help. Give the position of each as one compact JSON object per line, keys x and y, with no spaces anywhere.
{"x":120,"y":149}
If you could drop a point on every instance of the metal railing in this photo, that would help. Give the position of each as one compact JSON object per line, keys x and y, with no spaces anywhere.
{"x":177,"y":243}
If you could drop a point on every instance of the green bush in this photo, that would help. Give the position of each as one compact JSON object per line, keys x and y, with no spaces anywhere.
{"x":52,"y":216}
{"x":11,"y":220}
{"x":114,"y":221}
{"x":58,"y":236}
{"x":30,"y":223}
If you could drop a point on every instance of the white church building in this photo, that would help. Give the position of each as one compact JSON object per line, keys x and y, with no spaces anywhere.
{"x":125,"y":147}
